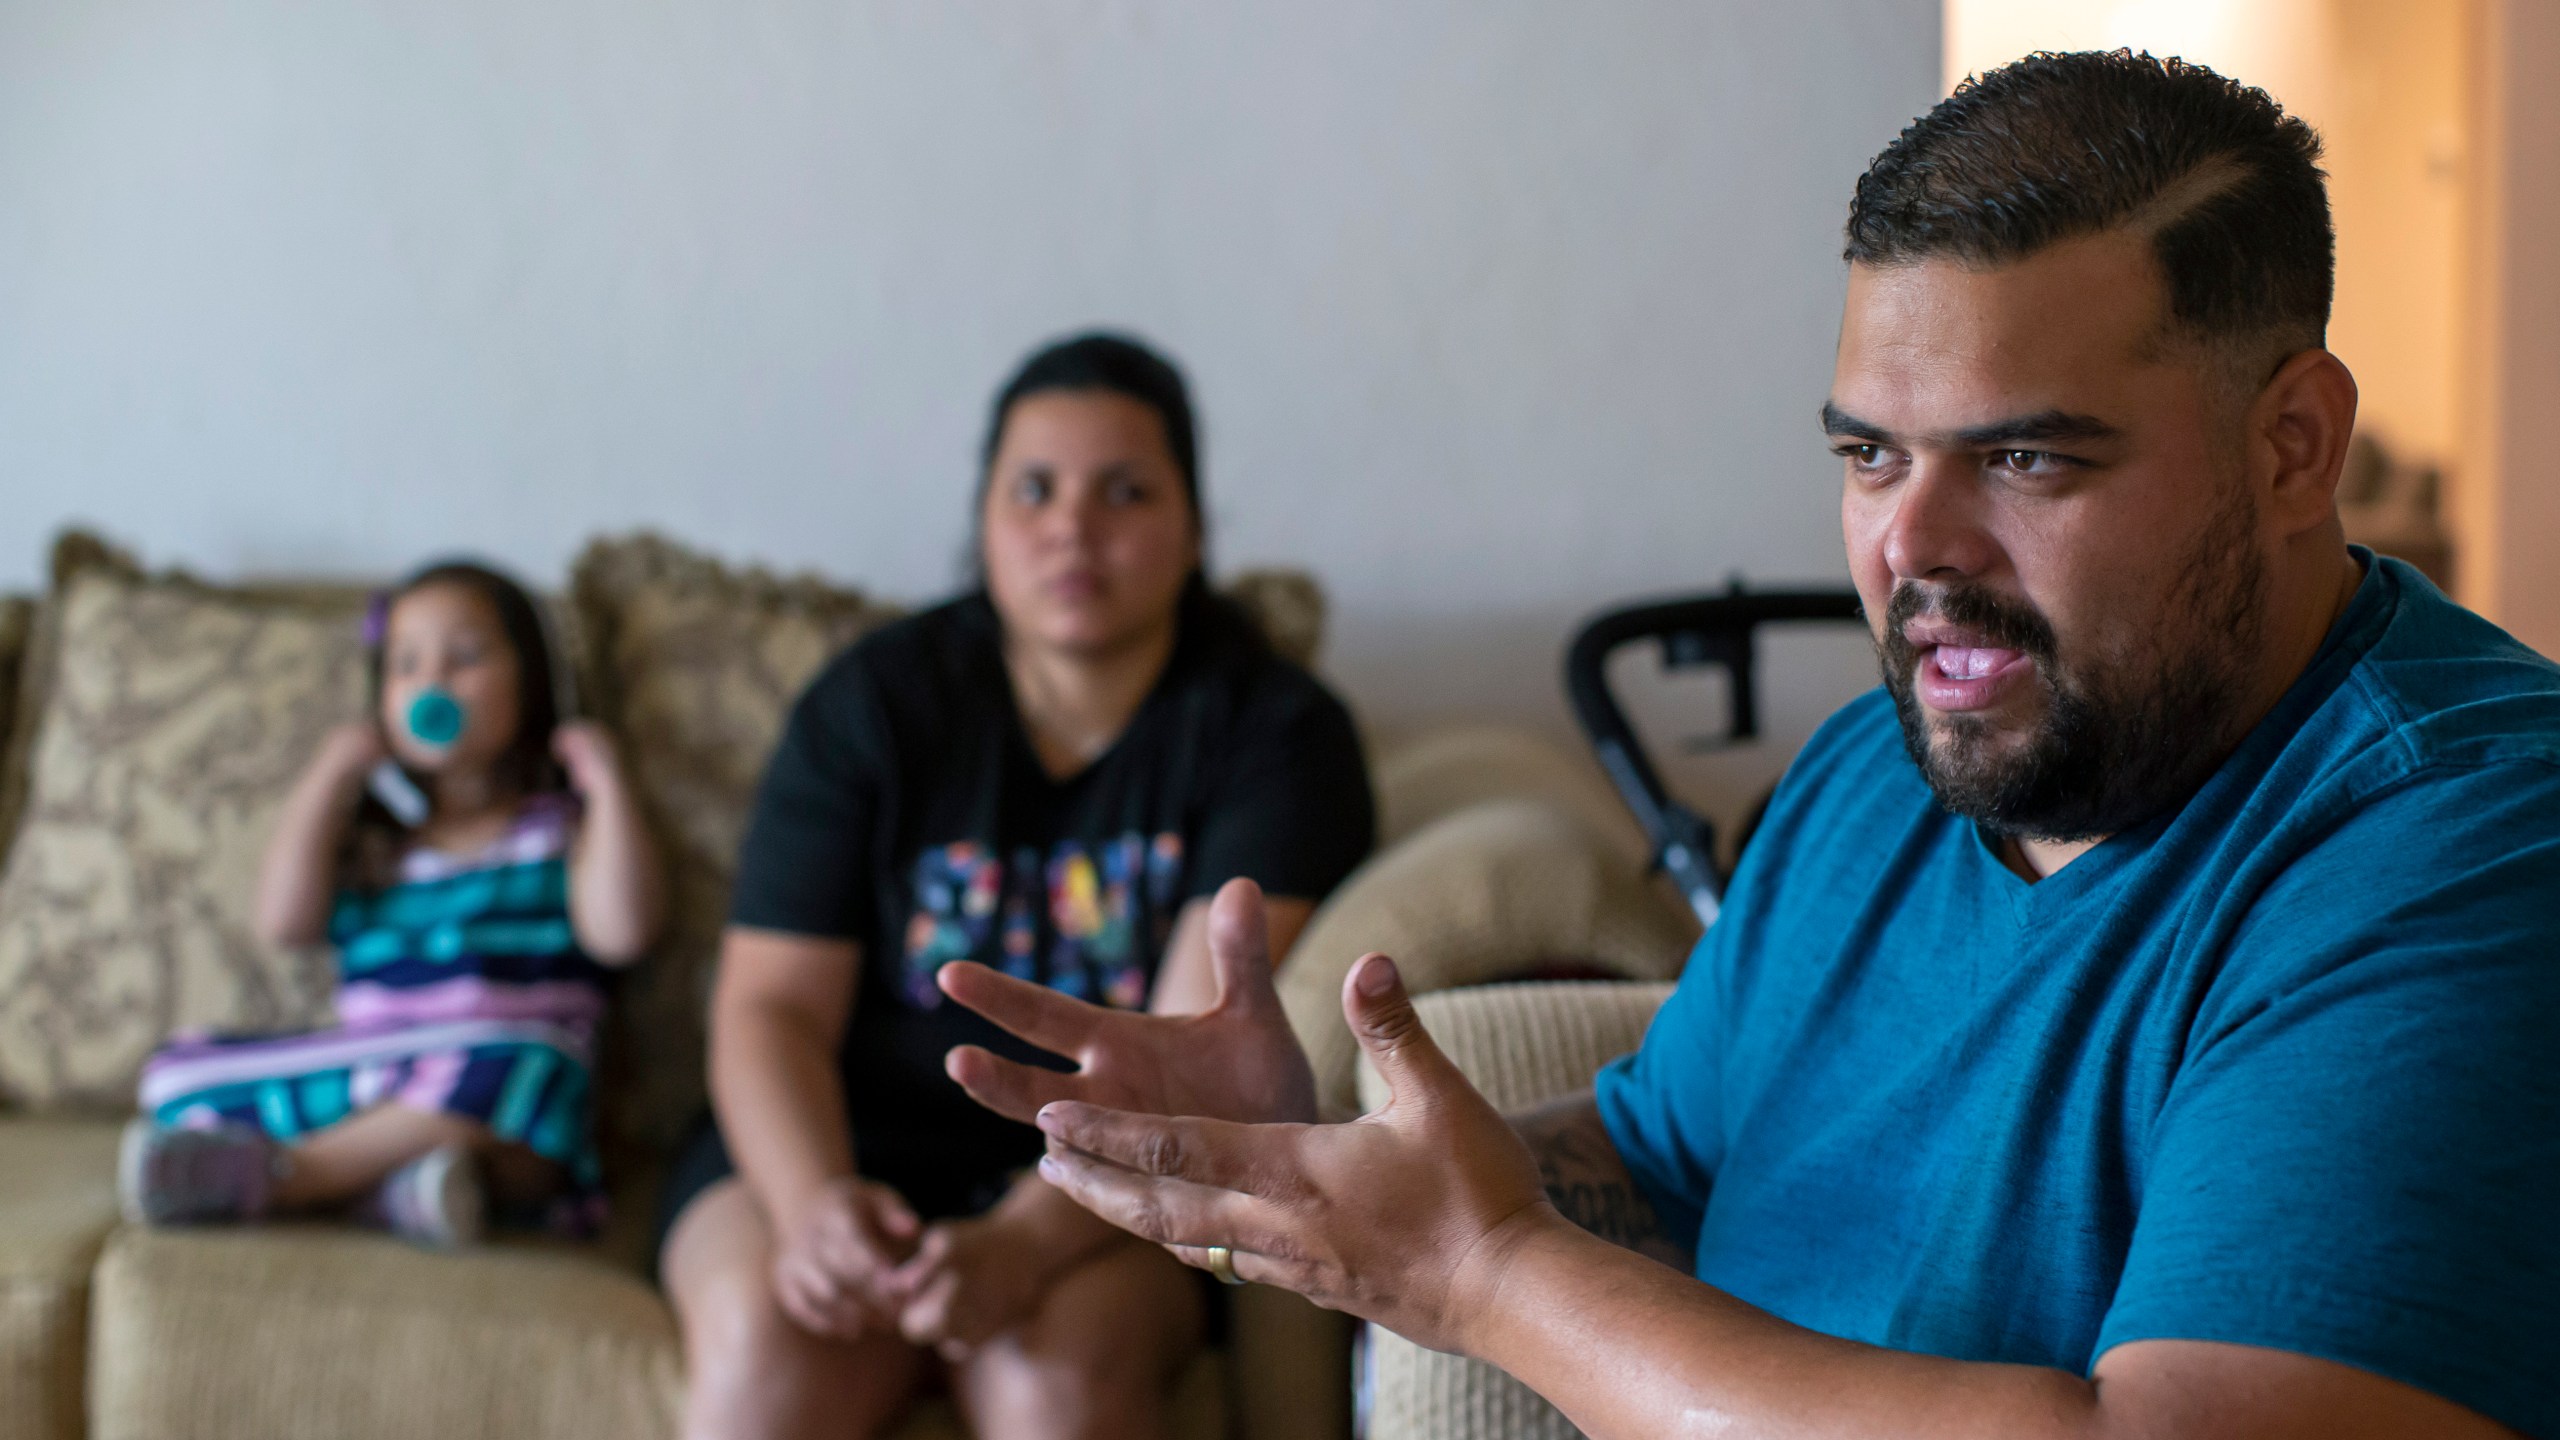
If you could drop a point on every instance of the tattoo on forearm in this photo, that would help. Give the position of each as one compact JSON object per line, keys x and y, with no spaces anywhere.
{"x":1589,"y":1184}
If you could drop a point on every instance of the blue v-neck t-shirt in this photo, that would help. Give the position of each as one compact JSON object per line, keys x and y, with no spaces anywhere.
{"x":2280,"y":1068}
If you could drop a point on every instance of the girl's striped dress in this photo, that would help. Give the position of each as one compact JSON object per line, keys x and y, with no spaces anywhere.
{"x":461,"y":989}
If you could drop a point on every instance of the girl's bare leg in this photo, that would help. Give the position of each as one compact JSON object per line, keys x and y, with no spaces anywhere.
{"x":352,"y":1158}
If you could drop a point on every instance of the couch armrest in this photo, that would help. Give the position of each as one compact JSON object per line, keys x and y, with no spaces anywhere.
{"x":1528,"y":1043}
{"x":1422,"y":777}
{"x":1519,"y":1044}
{"x":1496,"y":891}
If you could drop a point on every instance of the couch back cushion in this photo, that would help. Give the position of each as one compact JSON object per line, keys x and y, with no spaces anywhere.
{"x":699,"y":664}
{"x":17,"y":623}
{"x":17,"y":619}
{"x":166,"y":721}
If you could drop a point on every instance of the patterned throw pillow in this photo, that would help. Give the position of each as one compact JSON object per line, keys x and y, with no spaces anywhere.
{"x":17,"y":623}
{"x":699,"y":665}
{"x":1289,"y":607}
{"x":168,"y":721}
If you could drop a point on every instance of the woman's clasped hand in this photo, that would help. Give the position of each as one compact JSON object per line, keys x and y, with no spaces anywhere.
{"x":858,"y":1260}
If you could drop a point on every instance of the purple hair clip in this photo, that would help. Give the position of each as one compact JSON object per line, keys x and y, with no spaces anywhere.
{"x":377,"y":618}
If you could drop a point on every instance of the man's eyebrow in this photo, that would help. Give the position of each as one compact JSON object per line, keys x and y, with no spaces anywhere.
{"x":1843,"y":425}
{"x":2043,"y":427}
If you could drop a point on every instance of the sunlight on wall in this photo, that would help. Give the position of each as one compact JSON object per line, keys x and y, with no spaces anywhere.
{"x":2440,"y":128}
{"x":2285,"y":47}
{"x":2381,"y":80}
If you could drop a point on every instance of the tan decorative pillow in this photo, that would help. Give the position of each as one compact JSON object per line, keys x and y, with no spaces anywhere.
{"x":170,"y":722}
{"x":698,"y":667}
{"x":74,"y":551}
{"x":1287,"y":605}
{"x":17,"y":624}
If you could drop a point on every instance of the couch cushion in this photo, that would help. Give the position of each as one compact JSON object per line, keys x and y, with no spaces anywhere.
{"x":1497,"y":891}
{"x":270,"y":1334}
{"x":57,"y":1203}
{"x":323,"y":1331}
{"x":170,"y":725}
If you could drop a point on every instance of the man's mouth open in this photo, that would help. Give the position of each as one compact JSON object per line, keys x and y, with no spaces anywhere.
{"x":1956,"y":673}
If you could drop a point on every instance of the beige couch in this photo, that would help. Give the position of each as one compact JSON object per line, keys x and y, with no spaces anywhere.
{"x":154,"y":722}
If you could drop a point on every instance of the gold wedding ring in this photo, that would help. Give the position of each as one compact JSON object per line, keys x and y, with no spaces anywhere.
{"x":1222,"y":1263}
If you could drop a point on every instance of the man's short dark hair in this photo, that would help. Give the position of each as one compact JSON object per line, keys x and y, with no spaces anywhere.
{"x":2226,"y":185}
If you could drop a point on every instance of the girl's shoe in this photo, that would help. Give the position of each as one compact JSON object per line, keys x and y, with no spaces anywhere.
{"x":435,"y":1200}
{"x":195,"y":1177}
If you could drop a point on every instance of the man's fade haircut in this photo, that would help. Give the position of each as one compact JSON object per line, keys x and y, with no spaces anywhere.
{"x":2226,"y":186}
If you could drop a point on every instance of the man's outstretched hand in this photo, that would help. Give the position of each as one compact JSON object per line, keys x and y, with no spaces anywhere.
{"x":1236,"y":1060}
{"x":1407,"y":1217}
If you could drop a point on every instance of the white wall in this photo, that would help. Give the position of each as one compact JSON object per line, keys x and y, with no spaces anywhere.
{"x":1497,"y":310}
{"x":2507,"y":501}
{"x":2383,"y":82}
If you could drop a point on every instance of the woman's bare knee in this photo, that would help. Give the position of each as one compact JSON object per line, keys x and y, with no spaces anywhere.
{"x":719,"y":1267}
{"x":1097,"y":1357}
{"x":750,"y":1371}
{"x":717,"y":1256}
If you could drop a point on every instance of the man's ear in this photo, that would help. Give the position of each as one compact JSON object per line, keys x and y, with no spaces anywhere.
{"x":2298,"y":429}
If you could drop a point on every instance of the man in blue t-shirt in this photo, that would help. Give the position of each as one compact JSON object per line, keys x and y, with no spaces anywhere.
{"x":2136,"y":1018}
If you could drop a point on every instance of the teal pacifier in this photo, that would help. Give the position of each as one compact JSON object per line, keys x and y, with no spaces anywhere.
{"x":436,"y":718}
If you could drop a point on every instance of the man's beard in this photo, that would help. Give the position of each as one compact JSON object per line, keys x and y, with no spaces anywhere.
{"x":2115,"y":745}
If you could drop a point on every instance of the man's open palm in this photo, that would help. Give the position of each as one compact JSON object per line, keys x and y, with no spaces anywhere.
{"x":1236,"y":1060}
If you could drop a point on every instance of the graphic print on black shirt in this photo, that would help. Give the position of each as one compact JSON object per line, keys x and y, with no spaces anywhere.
{"x":1095,"y":899}
{"x":904,"y":809}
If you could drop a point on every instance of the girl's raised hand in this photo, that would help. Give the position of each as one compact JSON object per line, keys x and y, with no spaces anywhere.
{"x":349,"y":752}
{"x":586,"y":751}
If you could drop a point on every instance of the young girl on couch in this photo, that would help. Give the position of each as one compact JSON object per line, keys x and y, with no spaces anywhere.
{"x":478,"y":862}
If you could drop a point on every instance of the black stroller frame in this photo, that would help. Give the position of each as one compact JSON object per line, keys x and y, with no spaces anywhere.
{"x":1718,"y":630}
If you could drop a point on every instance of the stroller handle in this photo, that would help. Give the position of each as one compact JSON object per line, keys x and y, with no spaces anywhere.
{"x":1701,"y":630}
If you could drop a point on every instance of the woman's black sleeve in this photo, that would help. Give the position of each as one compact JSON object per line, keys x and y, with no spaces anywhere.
{"x":805,"y":866}
{"x":1290,"y":808}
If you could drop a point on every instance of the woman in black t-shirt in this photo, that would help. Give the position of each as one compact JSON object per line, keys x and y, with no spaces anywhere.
{"x":1050,"y":776}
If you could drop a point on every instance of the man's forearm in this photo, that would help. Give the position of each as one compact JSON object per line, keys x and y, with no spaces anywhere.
{"x":1587,"y":1182}
{"x":1627,"y":1348}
